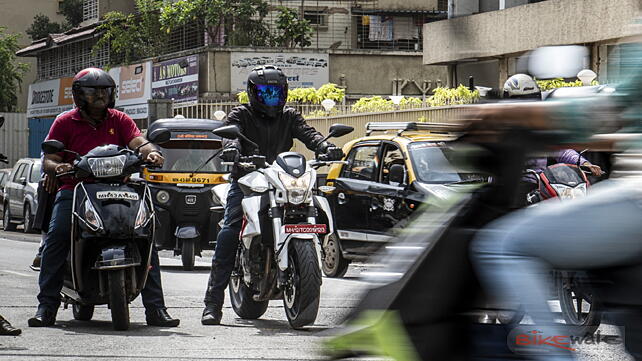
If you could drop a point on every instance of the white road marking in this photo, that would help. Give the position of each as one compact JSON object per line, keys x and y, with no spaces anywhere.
{"x":17,"y":273}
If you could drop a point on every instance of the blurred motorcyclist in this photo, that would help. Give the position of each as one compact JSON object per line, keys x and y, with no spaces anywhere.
{"x":92,"y":123}
{"x":524,"y":87}
{"x":272,"y":126}
{"x":515,"y":254}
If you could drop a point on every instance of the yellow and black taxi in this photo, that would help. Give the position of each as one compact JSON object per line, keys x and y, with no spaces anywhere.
{"x":187,"y":209}
{"x":385,"y":177}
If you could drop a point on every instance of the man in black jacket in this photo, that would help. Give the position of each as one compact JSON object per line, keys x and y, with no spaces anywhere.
{"x":272,"y":127}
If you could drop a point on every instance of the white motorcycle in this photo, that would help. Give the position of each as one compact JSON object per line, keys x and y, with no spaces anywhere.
{"x":278,"y":256}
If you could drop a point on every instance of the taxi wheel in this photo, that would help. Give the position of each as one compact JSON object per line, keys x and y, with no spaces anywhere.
{"x":187,"y":255}
{"x":334,"y":265}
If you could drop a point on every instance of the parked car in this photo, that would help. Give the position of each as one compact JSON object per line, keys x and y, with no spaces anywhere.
{"x":4,"y":175}
{"x":385,"y":178}
{"x":20,"y":203}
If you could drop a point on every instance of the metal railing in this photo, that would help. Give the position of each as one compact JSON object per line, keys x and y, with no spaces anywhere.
{"x":207,"y":109}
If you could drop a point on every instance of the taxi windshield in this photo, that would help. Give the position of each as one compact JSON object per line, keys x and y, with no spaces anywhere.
{"x":187,"y":156}
{"x":432,"y":163}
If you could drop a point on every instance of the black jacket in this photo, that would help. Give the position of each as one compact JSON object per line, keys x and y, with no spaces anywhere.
{"x":273,"y":136}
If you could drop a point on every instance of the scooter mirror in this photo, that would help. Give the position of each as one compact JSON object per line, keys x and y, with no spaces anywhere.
{"x":160,"y":136}
{"x":339,"y":130}
{"x":228,"y":132}
{"x":52,"y":146}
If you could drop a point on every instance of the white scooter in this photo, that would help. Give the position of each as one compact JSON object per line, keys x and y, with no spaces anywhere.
{"x":278,"y":256}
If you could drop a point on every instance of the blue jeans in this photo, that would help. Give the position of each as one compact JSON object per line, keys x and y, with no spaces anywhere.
{"x":227,"y":243}
{"x":515,"y":254}
{"x":56,"y":250}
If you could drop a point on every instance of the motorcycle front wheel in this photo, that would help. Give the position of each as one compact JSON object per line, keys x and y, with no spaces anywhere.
{"x":241,"y":295}
{"x":578,"y":303}
{"x":302,"y":292}
{"x":118,"y":300}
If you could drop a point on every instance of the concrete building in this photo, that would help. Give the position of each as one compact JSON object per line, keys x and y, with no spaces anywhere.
{"x":487,"y":39}
{"x":17,"y":17}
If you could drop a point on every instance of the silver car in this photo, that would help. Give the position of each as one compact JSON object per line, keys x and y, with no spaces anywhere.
{"x":20,"y":195}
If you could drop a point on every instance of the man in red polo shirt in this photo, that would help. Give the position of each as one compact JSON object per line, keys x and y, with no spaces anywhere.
{"x":92,"y":123}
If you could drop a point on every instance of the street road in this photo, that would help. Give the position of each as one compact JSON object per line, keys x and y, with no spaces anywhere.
{"x":269,"y":338}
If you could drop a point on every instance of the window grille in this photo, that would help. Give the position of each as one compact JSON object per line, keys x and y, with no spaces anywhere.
{"x":69,"y":59}
{"x":89,"y":10}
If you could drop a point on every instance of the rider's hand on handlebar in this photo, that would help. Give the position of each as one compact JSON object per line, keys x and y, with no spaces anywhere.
{"x":230,"y":155}
{"x":155,"y":158}
{"x":332,"y":153}
{"x":595,"y":169}
{"x":64,"y":168}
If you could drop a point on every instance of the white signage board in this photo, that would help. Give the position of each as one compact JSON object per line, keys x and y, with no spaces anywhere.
{"x":133,"y":88}
{"x":304,"y":70}
{"x":49,"y":98}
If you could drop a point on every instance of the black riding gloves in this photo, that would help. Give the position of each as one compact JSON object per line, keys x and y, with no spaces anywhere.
{"x":230,"y":154}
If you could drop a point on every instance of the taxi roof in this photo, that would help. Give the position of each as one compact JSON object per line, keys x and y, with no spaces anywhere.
{"x":409,"y":137}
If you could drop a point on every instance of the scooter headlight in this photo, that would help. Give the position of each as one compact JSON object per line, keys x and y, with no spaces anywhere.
{"x":91,"y":216}
{"x":107,"y":166}
{"x":297,"y":188}
{"x":143,"y":216}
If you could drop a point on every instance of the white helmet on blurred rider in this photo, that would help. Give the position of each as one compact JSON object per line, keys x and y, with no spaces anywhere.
{"x":521,"y":86}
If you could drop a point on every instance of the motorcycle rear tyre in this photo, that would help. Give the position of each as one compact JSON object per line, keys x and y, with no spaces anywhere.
{"x":118,"y":300}
{"x":187,"y":255}
{"x":241,"y":297}
{"x":82,"y":312}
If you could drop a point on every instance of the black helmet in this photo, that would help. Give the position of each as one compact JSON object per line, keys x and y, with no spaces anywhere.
{"x":92,"y":78}
{"x":267,"y":88}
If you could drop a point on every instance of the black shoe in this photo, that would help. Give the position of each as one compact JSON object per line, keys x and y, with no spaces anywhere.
{"x":43,"y":318}
{"x":212,"y":315}
{"x":7,"y":330}
{"x":36,"y":263}
{"x":161,"y":318}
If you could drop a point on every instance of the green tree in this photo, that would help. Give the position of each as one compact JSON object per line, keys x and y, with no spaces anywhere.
{"x":72,"y":11}
{"x":242,"y":21}
{"x":133,"y":36}
{"x":293,"y":31}
{"x":42,"y":26}
{"x":11,"y":71}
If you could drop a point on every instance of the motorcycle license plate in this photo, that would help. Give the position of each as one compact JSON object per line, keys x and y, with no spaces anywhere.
{"x":130,"y":196}
{"x":305,"y":228}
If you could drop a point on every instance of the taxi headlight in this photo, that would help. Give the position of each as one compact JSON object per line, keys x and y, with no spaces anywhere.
{"x":106,"y":167}
{"x":162,"y":196}
{"x":297,"y":188}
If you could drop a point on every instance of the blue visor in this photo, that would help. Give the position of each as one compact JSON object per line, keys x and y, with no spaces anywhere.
{"x":271,"y":95}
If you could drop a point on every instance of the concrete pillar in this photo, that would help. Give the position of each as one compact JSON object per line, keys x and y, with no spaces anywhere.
{"x":159,"y":109}
{"x":503,"y":71}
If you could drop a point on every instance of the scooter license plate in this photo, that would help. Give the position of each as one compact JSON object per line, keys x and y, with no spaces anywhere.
{"x":305,"y":228}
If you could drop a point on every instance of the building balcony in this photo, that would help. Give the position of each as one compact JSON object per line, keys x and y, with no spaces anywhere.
{"x":518,"y":29}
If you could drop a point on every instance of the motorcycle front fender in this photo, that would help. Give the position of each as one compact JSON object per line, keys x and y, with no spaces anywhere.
{"x":117,"y":257}
{"x":282,"y":253}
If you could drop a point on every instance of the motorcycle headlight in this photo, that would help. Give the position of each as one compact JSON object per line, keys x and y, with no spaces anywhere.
{"x":91,"y":216}
{"x":566,"y":192}
{"x":143,"y":215}
{"x":297,"y":188}
{"x":107,"y":166}
{"x":162,"y":196}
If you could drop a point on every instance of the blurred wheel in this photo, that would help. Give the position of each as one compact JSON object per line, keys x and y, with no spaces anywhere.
{"x":334,"y":265}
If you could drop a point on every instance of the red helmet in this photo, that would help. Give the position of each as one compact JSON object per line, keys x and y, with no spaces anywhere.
{"x":92,"y":78}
